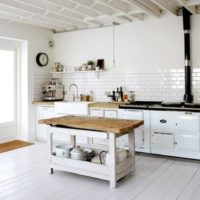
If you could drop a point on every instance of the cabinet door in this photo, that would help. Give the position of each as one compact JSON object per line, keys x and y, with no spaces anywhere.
{"x":110,"y":113}
{"x":96,"y":113}
{"x":187,"y":142}
{"x":162,"y":141}
{"x":43,"y":112}
{"x":139,"y":132}
{"x":188,"y":121}
{"x":163,"y":121}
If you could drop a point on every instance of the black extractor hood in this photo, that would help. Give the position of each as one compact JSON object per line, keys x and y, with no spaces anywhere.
{"x":188,"y":97}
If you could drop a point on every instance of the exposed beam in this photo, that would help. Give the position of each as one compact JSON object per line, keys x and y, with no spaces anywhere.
{"x":198,"y":9}
{"x":146,"y":6}
{"x":15,"y":11}
{"x":41,"y":4}
{"x":193,"y":2}
{"x":42,"y":24}
{"x":184,"y":3}
{"x":90,"y":5}
{"x":103,"y":8}
{"x":121,"y":7}
{"x":63,"y":3}
{"x":65,"y":19}
{"x":23,"y":7}
{"x":173,"y":9}
{"x":76,"y":19}
{"x":138,"y":16}
{"x":71,"y":6}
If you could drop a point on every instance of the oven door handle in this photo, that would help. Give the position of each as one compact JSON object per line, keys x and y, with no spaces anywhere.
{"x":161,"y":133}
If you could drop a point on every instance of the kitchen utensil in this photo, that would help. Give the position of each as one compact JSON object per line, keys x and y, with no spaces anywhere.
{"x":77,"y":153}
{"x":131,"y":96}
{"x":63,"y":151}
{"x":96,"y":160}
{"x":88,"y":154}
{"x":121,"y":155}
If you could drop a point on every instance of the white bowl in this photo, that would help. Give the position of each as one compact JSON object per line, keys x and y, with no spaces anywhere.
{"x":63,"y":150}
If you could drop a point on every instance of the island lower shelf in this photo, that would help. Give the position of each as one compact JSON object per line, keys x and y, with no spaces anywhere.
{"x":91,"y":169}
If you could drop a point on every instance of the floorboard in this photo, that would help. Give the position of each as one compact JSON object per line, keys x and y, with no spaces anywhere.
{"x":24,"y":174}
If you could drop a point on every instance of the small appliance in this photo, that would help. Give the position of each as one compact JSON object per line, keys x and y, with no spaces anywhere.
{"x":53,"y":90}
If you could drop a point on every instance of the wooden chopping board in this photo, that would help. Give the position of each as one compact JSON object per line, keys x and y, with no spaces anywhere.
{"x":116,"y":126}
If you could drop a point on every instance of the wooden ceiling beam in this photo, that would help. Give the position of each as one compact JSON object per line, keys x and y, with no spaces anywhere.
{"x":191,"y":9}
{"x":173,"y":9}
{"x":193,"y":2}
{"x":147,"y":6}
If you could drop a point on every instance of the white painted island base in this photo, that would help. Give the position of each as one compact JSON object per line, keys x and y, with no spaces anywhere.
{"x":112,"y":172}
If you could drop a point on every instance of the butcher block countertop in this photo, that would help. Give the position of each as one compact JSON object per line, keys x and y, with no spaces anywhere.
{"x":48,"y":103}
{"x":116,"y":126}
{"x":104,"y":105}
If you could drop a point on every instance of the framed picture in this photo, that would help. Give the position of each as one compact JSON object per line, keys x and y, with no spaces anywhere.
{"x":100,"y":63}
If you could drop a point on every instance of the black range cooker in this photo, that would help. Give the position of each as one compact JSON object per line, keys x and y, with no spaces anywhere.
{"x":139,"y":104}
{"x":161,"y":105}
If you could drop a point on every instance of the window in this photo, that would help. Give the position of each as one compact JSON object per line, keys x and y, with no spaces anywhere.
{"x":7,"y":86}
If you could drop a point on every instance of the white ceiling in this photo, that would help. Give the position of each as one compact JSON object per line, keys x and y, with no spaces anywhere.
{"x":66,"y":15}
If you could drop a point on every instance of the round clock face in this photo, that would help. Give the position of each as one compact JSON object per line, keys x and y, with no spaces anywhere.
{"x":42,"y":59}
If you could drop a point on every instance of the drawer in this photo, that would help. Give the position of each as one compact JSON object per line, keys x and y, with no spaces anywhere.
{"x":110,"y":114}
{"x":130,"y":114}
{"x":96,"y":113}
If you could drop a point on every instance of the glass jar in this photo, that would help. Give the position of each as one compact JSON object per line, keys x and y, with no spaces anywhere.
{"x":131,"y":96}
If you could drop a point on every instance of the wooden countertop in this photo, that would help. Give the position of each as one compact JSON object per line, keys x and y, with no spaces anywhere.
{"x":116,"y":126}
{"x":44,"y":102}
{"x":111,"y":105}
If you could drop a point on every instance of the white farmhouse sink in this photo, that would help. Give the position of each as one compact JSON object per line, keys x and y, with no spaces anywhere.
{"x":71,"y":108}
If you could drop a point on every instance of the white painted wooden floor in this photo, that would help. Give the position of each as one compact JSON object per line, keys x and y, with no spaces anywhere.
{"x":24,"y":176}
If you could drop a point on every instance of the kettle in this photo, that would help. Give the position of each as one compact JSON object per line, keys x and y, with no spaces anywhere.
{"x":77,"y":154}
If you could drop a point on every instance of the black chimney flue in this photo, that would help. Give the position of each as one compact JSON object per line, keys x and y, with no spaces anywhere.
{"x":188,"y":97}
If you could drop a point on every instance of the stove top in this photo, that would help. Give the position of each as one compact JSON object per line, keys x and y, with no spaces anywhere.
{"x":158,"y":104}
{"x":139,"y":104}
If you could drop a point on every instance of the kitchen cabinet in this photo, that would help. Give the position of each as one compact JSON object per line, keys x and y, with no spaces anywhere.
{"x":187,"y":133}
{"x":142,"y":142}
{"x":102,"y":113}
{"x":63,"y":108}
{"x":43,"y":112}
{"x":48,"y":111}
{"x":175,"y":134}
{"x":162,"y":143}
{"x":110,"y":114}
{"x":185,"y":142}
{"x":96,"y":113}
{"x":163,"y":127}
{"x":188,"y":122}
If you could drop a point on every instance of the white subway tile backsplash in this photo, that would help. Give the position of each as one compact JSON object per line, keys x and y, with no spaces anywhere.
{"x":167,"y":85}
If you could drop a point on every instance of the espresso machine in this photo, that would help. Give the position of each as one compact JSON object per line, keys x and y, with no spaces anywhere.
{"x":53,"y":90}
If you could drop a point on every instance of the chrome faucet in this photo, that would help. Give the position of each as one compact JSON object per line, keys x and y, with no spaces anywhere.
{"x":74,"y":96}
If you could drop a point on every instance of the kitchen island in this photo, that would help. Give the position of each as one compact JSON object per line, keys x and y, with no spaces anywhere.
{"x":94,"y":127}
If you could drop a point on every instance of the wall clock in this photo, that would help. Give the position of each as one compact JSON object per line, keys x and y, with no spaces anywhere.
{"x":42,"y":59}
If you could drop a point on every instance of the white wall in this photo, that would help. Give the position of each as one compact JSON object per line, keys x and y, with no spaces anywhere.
{"x":150,"y":54}
{"x":140,"y":46}
{"x":33,"y":40}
